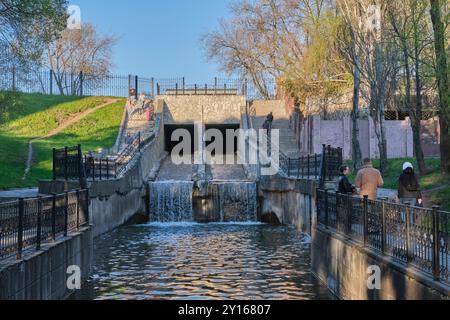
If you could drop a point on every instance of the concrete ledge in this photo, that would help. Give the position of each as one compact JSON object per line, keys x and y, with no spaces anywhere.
{"x":342,"y":264}
{"x":41,"y":275}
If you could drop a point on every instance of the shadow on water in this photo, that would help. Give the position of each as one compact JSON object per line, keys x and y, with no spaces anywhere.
{"x":203,"y":261}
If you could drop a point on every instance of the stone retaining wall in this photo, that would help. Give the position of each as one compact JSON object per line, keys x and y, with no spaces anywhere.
{"x":42,"y":275}
{"x":343,"y":266}
{"x":212,"y":109}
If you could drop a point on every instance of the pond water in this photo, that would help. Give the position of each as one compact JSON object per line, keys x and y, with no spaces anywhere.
{"x":192,"y":261}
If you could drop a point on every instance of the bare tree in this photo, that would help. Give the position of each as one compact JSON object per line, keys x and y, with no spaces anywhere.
{"x":77,"y":51}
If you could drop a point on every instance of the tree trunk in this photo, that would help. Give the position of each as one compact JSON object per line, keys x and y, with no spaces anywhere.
{"x":416,"y":122}
{"x":443,"y":84}
{"x":356,"y":147}
{"x":380,"y":94}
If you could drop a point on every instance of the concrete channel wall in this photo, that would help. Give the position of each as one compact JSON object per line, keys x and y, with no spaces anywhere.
{"x":343,"y":265}
{"x":114,"y":202}
{"x":337,"y":261}
{"x":43,"y":275}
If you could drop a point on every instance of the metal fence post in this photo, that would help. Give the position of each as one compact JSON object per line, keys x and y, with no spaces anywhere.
{"x":409,"y":247}
{"x":107,"y":169}
{"x":39,"y":224}
{"x":88,"y":199}
{"x":139,"y":141}
{"x":14,"y":79}
{"x":436,"y":244}
{"x":20,"y":228}
{"x":383,"y":227}
{"x":65,"y":163}
{"x":349,"y":214}
{"x":215,"y":85}
{"x":184,"y":86}
{"x":54,"y":217}
{"x":81,"y":83}
{"x":136,"y":84}
{"x":176,"y":89}
{"x":66,"y":213}
{"x":153,"y":88}
{"x":366,"y":219}
{"x":326,"y":209}
{"x":51,"y":82}
{"x":54,"y":164}
{"x":78,"y":209}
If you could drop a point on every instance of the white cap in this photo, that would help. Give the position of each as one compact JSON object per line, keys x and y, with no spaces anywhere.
{"x":407,"y":165}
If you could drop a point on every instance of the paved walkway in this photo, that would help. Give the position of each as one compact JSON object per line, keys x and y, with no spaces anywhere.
{"x":19,"y":193}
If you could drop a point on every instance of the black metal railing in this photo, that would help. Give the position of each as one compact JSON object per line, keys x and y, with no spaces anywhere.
{"x":415,"y":236}
{"x":322,"y":167}
{"x":83,"y":84}
{"x":67,"y":163}
{"x":113,"y":166}
{"x":30,"y":223}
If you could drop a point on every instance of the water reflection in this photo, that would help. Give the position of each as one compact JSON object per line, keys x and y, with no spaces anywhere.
{"x":194,"y":261}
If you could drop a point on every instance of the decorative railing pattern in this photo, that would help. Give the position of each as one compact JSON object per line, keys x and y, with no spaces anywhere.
{"x":414,"y":236}
{"x":29,"y":223}
{"x":82,"y":84}
{"x":67,"y":163}
{"x":113,"y":167}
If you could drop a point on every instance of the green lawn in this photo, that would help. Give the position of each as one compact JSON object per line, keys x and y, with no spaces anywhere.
{"x":34,"y":116}
{"x":98,"y":130}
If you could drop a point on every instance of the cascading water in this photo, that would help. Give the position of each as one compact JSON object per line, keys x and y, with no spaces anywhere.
{"x":236,"y":201}
{"x":171,"y":201}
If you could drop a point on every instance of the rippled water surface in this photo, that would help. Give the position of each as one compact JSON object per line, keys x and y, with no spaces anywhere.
{"x":212,"y":261}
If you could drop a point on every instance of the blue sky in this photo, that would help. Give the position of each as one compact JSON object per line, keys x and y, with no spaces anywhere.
{"x":157,"y":38}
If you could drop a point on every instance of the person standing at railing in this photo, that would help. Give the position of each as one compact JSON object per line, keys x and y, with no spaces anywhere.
{"x":129,"y":139}
{"x":409,"y":187}
{"x":344,"y":185}
{"x":369,"y":180}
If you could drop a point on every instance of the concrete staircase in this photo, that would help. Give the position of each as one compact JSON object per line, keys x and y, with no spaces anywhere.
{"x":135,"y":124}
{"x":288,"y":143}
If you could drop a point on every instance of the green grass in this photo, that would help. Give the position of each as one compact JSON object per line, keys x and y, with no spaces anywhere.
{"x":428,"y":181}
{"x":34,"y":116}
{"x":433,"y":179}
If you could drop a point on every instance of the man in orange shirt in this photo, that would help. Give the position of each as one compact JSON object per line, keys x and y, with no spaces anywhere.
{"x":369,"y":180}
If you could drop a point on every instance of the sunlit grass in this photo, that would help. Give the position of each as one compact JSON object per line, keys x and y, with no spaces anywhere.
{"x":34,"y":116}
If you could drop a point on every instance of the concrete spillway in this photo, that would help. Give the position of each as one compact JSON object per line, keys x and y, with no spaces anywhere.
{"x":182,"y":201}
{"x":171,"y":201}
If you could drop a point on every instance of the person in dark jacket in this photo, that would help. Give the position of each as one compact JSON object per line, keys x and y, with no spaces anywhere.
{"x":409,"y":187}
{"x":345,"y":187}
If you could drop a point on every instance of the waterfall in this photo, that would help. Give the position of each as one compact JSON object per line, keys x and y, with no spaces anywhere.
{"x":236,"y":201}
{"x":171,"y":201}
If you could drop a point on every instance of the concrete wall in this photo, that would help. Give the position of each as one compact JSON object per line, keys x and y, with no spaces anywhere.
{"x":42,"y":275}
{"x":291,"y":201}
{"x":315,"y":132}
{"x":114,"y":202}
{"x":343,"y":265}
{"x":212,"y":109}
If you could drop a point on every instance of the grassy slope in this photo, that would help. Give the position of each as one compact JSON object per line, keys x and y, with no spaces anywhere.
{"x":35,"y":116}
{"x":98,"y":130}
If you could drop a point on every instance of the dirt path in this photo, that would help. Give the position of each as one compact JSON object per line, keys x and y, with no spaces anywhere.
{"x":62,"y":127}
